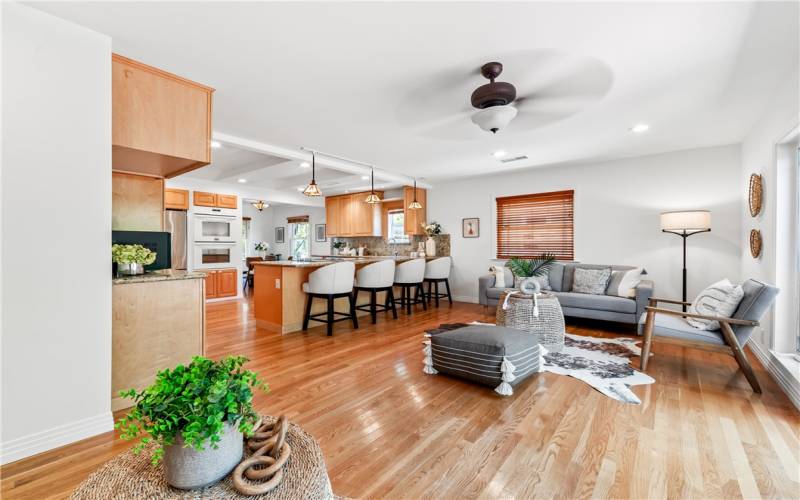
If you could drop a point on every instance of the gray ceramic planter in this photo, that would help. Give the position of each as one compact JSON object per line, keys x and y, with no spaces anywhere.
{"x":188,"y":469}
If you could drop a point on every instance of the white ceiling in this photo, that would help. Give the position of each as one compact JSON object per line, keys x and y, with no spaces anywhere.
{"x":389,"y":83}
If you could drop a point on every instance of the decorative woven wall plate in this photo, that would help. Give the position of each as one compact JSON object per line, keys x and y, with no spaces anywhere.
{"x":755,"y":243}
{"x":756,"y":192}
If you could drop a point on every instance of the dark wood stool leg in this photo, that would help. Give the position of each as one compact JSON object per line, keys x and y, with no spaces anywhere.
{"x":447,"y":285}
{"x":408,"y":299}
{"x":390,"y":296}
{"x":437,"y":293}
{"x":422,"y":291}
{"x":429,"y":291}
{"x":309,"y":298}
{"x":353,"y":310}
{"x":373,"y":299}
{"x":330,"y":315}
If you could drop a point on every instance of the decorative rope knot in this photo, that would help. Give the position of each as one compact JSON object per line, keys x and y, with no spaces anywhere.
{"x":267,"y":461}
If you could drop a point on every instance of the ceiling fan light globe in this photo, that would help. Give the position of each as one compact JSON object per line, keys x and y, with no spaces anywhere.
{"x":494,"y":118}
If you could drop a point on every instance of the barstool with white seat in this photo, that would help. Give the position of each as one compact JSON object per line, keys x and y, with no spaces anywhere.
{"x":330,"y":282}
{"x":408,"y":275}
{"x":438,"y":271}
{"x":374,"y":278}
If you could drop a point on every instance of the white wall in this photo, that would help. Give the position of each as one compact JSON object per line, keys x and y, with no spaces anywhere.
{"x":759,"y":156}
{"x":56,"y":174}
{"x":260,"y":226}
{"x":617,"y":207}
{"x":316,"y":215}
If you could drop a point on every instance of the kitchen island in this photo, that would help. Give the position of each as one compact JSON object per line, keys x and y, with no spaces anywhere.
{"x":158,"y":322}
{"x":278,"y":291}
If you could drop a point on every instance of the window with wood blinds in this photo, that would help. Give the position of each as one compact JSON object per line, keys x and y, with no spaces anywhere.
{"x":297,"y":218}
{"x":531,"y":224}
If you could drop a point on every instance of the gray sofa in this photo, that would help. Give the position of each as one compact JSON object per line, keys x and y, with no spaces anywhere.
{"x":578,"y":305}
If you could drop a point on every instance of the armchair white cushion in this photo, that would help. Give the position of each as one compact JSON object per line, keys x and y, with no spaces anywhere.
{"x":438,"y":268}
{"x":376,"y":275}
{"x":331,"y":279}
{"x":412,"y":271}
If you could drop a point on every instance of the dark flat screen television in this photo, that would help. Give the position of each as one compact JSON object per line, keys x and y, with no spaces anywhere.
{"x":156,"y":241}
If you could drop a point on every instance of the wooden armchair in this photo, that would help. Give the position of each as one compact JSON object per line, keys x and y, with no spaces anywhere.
{"x":671,"y":326}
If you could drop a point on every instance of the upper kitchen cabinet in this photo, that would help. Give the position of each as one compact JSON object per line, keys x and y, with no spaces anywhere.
{"x":176,"y":199}
{"x":414,"y":218}
{"x":161,"y":123}
{"x":202,"y":199}
{"x":350,"y":215}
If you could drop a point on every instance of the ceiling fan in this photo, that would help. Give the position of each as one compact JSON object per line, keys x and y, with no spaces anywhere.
{"x":494,"y":100}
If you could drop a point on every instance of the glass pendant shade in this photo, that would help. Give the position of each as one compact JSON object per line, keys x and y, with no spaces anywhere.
{"x":494,"y":118}
{"x":415,"y":205}
{"x":372,"y":197}
{"x":312,"y":189}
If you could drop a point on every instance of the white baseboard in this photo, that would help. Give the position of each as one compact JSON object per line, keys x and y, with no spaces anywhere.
{"x":39,"y":442}
{"x":786,"y":381}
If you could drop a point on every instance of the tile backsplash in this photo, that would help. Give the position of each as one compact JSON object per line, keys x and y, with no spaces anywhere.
{"x":378,"y":246}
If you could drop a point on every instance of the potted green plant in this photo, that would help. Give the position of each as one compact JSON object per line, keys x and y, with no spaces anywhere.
{"x":197,"y":416}
{"x":262,"y":247}
{"x":131,"y":259}
{"x":337,"y":246}
{"x":527,"y":270}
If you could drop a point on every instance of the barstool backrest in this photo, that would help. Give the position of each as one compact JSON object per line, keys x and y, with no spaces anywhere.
{"x":438,"y":268}
{"x":376,"y":275}
{"x":333,"y":278}
{"x":411,"y":271}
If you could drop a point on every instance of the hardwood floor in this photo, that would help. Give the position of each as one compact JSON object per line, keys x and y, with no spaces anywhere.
{"x":389,"y":431}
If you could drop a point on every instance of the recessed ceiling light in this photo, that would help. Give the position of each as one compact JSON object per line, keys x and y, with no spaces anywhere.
{"x":364,"y":177}
{"x":215,"y":144}
{"x":499,"y":153}
{"x":305,"y":164}
{"x":639,"y":128}
{"x":301,"y":188}
{"x":241,"y":181}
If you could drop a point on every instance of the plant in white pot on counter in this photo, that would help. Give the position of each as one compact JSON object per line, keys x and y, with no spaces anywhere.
{"x":196,"y":415}
{"x":262,"y":247}
{"x":431,"y":230}
{"x":131,"y":259}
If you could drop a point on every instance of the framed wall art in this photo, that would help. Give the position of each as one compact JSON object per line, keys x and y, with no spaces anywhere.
{"x":280,"y":234}
{"x":471,"y":228}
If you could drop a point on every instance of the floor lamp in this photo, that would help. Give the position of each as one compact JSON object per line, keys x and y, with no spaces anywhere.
{"x":685,"y":224}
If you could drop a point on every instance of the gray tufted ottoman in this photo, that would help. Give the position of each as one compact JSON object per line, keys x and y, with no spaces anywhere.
{"x":491,"y":355}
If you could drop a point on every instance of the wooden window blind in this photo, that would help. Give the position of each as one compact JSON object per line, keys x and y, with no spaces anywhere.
{"x":297,"y":218}
{"x":531,"y":224}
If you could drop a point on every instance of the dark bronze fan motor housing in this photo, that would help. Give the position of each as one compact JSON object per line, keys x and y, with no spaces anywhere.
{"x":494,"y":93}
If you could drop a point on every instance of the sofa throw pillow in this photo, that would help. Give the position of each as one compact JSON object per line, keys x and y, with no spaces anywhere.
{"x":720,"y":299}
{"x":499,"y":277}
{"x":593,"y":281}
{"x":623,"y":283}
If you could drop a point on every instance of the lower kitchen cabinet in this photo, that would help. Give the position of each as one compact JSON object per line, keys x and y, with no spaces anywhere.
{"x":221,"y":283}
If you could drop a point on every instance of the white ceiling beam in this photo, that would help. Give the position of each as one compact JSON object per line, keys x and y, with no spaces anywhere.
{"x":299,"y":155}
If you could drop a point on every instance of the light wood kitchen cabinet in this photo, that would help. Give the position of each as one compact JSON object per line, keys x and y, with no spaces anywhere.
{"x":227,"y":201}
{"x":137,"y":202}
{"x":161,"y":122}
{"x":350,"y":215}
{"x":221,"y":283}
{"x":176,"y":199}
{"x":414,"y":218}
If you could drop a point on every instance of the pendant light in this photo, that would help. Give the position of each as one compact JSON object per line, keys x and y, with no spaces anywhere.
{"x":373,"y":197}
{"x":260,"y":205}
{"x":312,"y":189}
{"x":415,"y":205}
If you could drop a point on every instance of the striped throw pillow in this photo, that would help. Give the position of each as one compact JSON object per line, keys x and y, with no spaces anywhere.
{"x":720,"y":299}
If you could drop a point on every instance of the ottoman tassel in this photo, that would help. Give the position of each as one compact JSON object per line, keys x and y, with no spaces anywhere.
{"x":428,"y":361}
{"x":507,"y":369}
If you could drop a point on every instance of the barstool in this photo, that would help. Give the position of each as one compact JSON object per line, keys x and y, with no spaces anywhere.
{"x":330,"y":282}
{"x":408,"y":275}
{"x":374,"y":278}
{"x":438,"y":271}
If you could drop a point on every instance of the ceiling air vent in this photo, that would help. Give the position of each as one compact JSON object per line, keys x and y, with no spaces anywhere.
{"x":513,"y":158}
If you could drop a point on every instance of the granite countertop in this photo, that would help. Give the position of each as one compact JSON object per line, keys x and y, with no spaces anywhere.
{"x":163,"y":275}
{"x":332,"y":260}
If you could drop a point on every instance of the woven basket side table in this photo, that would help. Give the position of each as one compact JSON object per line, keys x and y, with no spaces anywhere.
{"x":547,"y":327}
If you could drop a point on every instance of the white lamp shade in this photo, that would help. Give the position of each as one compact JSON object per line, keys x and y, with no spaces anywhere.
{"x":690,"y":220}
{"x":494,"y":118}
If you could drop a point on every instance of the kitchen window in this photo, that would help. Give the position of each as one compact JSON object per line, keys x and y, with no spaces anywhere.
{"x":300,"y":237}
{"x":245,"y":238}
{"x":531,"y":224}
{"x":396,"y":227}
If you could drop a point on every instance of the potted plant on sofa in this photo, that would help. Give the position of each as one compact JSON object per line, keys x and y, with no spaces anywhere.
{"x":196,"y":415}
{"x":536,"y":268}
{"x":131,"y":259}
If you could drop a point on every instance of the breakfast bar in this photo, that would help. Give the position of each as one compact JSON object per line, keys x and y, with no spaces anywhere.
{"x":278,"y":291}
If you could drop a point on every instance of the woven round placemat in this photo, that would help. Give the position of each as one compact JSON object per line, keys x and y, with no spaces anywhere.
{"x":133,"y":476}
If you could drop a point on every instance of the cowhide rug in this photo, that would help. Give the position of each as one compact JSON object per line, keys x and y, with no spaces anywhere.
{"x":604,"y":364}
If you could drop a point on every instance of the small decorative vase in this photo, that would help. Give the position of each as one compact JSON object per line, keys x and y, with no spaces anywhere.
{"x":335,"y":251}
{"x":430,"y":247}
{"x":189,"y":469}
{"x":131,"y":269}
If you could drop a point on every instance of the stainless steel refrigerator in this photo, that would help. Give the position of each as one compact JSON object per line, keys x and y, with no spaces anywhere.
{"x":175,"y":224}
